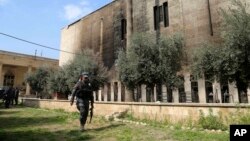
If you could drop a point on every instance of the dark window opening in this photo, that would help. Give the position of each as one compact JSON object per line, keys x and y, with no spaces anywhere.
{"x":108,"y":92}
{"x":156,"y":18}
{"x":166,"y":14}
{"x":181,"y":89}
{"x":9,"y":79}
{"x":194,"y":89}
{"x":115,"y":91}
{"x":123,"y":28}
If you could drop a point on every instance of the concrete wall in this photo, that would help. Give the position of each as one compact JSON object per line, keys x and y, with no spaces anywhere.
{"x":158,"y":111}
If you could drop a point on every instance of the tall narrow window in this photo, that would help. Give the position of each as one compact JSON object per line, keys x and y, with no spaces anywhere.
{"x":8,"y":79}
{"x":165,"y":14}
{"x":156,"y":18}
{"x":123,"y":28}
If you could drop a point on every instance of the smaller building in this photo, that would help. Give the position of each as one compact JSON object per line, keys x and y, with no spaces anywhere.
{"x":14,"y":67}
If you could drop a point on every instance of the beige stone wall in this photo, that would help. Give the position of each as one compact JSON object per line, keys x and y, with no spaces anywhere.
{"x":101,"y":31}
{"x":18,"y":65}
{"x":154,"y":111}
{"x":95,"y":31}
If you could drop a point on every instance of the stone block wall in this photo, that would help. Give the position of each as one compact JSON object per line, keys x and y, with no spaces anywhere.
{"x":154,"y":111}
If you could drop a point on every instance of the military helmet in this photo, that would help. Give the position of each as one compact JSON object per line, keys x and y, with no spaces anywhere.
{"x":85,"y":74}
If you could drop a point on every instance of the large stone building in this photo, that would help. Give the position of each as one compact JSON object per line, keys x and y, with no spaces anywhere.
{"x":109,"y":28}
{"x":14,"y":67}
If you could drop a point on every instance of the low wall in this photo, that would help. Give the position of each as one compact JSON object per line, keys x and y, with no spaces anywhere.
{"x":157,"y":111}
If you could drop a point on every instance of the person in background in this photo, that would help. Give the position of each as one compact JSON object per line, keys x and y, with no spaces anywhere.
{"x":16,"y":95}
{"x":8,"y":95}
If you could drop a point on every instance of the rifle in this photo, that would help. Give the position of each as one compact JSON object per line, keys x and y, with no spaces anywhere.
{"x":91,"y":114}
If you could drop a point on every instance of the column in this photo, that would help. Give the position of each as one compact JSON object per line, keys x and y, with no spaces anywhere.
{"x":187,"y":87}
{"x":112,"y":91}
{"x":105,"y":92}
{"x":187,"y":82}
{"x":27,"y":85}
{"x":233,"y":93}
{"x":164,"y":93}
{"x":143,"y":93}
{"x":128,"y":95}
{"x":202,"y":90}
{"x":94,"y":94}
{"x":176,"y":95}
{"x":100,"y":94}
{"x":1,"y":78}
{"x":217,"y":91}
{"x":119,"y":92}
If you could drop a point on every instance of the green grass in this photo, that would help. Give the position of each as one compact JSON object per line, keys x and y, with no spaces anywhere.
{"x":28,"y":124}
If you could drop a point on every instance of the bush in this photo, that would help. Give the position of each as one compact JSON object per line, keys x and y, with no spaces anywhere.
{"x":211,"y":121}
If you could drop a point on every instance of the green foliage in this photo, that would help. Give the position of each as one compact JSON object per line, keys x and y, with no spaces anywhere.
{"x":148,"y":62}
{"x":170,"y":56}
{"x":211,"y":121}
{"x":236,"y":31}
{"x":88,"y":61}
{"x":38,"y":80}
{"x":57,"y":82}
{"x":239,"y":117}
{"x":208,"y":60}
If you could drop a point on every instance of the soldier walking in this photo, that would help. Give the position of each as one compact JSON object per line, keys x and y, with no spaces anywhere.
{"x":84,"y":93}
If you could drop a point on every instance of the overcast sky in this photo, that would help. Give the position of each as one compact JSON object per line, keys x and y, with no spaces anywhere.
{"x":40,"y":21}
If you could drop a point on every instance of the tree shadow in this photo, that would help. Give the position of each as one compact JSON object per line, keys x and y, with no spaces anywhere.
{"x":106,"y":127}
{"x":8,"y":112}
{"x":42,"y":135}
{"x":16,"y":122}
{"x":60,"y":135}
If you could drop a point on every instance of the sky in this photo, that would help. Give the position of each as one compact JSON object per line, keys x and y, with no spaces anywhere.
{"x":40,"y":21}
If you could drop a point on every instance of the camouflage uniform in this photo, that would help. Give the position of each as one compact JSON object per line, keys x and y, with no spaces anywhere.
{"x":83,"y":93}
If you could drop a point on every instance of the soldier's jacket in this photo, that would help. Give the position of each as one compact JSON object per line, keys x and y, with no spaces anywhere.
{"x":83,"y":91}
{"x":9,"y":93}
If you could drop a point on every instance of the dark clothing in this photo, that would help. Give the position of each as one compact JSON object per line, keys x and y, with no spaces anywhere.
{"x":83,"y":108}
{"x":83,"y":93}
{"x":16,"y":96}
{"x":8,"y":95}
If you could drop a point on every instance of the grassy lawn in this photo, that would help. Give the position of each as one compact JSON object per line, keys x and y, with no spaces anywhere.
{"x":28,"y":124}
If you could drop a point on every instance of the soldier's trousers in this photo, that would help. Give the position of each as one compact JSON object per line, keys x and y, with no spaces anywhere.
{"x":7,"y":103}
{"x":83,"y":107}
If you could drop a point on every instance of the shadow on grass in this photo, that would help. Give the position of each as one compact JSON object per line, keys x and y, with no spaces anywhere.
{"x":59,"y":135}
{"x":5,"y":112}
{"x":16,"y":122}
{"x":105,"y":127}
{"x":45,"y":135}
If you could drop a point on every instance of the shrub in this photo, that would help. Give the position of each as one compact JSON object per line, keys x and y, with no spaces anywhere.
{"x":211,"y":121}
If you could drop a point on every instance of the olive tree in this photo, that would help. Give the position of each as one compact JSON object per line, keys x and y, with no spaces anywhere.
{"x":38,"y":80}
{"x":147,"y":61}
{"x":86,"y":61}
{"x":229,"y":60}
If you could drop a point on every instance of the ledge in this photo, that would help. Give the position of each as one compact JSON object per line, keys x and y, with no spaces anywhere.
{"x":214,"y":105}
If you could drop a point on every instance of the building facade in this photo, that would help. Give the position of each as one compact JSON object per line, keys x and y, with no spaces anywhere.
{"x":110,"y":28}
{"x":14,"y":67}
